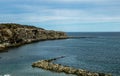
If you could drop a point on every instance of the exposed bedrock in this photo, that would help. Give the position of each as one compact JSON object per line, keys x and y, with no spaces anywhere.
{"x":16,"y":34}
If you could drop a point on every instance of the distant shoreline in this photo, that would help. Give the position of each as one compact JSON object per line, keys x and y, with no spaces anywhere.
{"x":78,"y":37}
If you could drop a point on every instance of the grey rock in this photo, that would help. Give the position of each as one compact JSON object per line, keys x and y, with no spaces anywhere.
{"x":49,"y":65}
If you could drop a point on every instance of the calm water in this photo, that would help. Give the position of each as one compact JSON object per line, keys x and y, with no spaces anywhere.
{"x":98,"y":54}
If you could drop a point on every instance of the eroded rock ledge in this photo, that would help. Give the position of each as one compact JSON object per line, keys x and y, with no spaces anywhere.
{"x":49,"y":65}
{"x":12,"y":35}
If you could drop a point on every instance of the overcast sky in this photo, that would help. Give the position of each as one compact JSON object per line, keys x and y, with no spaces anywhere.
{"x":63,"y":15}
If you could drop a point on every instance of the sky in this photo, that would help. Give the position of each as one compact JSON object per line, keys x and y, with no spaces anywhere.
{"x":63,"y":15}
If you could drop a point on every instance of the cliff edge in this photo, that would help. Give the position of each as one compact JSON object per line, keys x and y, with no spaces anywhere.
{"x":12,"y":35}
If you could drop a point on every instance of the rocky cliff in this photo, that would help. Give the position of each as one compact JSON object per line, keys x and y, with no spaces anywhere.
{"x":15,"y":34}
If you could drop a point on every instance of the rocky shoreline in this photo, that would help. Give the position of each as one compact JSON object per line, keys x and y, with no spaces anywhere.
{"x":49,"y":65}
{"x":12,"y":35}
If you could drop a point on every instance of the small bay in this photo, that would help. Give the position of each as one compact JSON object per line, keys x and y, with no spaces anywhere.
{"x":98,"y":54}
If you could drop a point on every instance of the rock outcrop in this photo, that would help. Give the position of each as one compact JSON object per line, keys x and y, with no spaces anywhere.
{"x":15,"y":34}
{"x":49,"y":65}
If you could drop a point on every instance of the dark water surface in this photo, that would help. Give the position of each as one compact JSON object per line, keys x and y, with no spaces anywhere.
{"x":98,"y":54}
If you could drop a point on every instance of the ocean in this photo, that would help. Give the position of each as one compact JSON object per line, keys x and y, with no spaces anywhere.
{"x":97,"y":52}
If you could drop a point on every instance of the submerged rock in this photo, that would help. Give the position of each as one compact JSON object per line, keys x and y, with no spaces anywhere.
{"x":12,"y":35}
{"x":49,"y":65}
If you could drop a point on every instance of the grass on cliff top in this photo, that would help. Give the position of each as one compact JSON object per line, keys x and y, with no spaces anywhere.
{"x":14,"y":25}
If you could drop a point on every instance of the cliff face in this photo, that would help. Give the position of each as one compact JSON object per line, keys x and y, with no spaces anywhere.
{"x":16,"y":34}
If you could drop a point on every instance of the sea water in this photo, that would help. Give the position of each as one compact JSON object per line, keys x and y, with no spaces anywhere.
{"x":98,"y":52}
